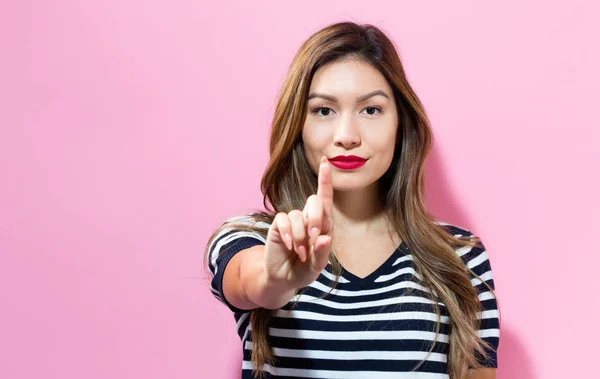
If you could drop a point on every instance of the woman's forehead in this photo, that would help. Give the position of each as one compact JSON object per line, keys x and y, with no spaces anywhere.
{"x":348,"y":80}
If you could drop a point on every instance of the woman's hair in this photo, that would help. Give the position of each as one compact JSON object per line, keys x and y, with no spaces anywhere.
{"x":289,"y":180}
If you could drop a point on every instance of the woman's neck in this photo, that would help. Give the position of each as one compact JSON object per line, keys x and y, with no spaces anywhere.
{"x":359,"y":211}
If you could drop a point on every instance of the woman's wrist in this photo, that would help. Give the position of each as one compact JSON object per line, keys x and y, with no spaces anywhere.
{"x":276,"y":294}
{"x":263,"y":291}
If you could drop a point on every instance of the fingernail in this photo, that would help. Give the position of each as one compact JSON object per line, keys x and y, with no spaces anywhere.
{"x":314,"y":233}
{"x":288,"y":240}
{"x":302,"y":253}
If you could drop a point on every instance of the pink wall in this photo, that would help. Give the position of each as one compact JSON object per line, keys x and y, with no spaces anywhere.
{"x":129,"y":129}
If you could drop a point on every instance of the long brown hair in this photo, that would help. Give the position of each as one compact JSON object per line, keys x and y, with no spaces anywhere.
{"x":289,"y":180}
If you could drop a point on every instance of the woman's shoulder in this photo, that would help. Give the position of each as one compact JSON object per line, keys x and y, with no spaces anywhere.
{"x":236,"y":228}
{"x":455,"y":230}
{"x":236,"y":233}
{"x":255,"y":219}
{"x":471,"y":255}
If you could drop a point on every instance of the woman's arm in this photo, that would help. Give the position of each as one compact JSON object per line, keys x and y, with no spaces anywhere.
{"x":245,"y":285}
{"x":482,"y":373}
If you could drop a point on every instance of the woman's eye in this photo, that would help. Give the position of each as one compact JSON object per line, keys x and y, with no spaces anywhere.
{"x":326,"y":111}
{"x":372,"y":109}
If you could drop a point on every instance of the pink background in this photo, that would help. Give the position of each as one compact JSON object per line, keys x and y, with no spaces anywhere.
{"x":130,"y":129}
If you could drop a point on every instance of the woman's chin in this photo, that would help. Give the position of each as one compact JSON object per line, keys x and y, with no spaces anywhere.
{"x":347,"y":184}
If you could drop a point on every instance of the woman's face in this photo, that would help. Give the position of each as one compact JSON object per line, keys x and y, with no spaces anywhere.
{"x":351,"y":111}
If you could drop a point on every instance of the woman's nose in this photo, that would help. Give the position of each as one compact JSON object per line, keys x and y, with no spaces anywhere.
{"x":347,"y":133}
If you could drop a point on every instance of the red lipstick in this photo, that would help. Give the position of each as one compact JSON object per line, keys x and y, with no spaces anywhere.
{"x":347,"y":162}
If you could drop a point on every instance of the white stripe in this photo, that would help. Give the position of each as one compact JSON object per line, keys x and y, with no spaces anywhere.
{"x":331,"y":304}
{"x":337,"y":292}
{"x":477,"y":260}
{"x":362,"y":317}
{"x":332,"y":374}
{"x":359,"y":335}
{"x":463,"y":250}
{"x":407,"y":270}
{"x":225,"y":240}
{"x":215,"y":251}
{"x":331,"y":277}
{"x":402,"y":259}
{"x":486,"y":296}
{"x":356,"y":355}
{"x":488,"y":314}
{"x":241,"y":320}
{"x":485,"y":277}
{"x":485,"y":333}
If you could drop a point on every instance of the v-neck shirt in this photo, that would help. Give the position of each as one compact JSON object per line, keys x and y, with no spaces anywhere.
{"x":379,"y":326}
{"x":387,"y":265}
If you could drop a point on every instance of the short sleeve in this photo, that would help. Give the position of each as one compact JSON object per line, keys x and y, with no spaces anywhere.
{"x":476,"y":259}
{"x":228,"y":242}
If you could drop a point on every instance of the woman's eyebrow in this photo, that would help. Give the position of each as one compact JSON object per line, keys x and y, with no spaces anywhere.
{"x":358,"y":100}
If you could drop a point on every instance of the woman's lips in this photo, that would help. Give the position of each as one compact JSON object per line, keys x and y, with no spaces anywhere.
{"x":347,"y":163}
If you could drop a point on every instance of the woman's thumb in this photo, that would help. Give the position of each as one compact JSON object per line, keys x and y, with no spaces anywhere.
{"x":321,"y":250}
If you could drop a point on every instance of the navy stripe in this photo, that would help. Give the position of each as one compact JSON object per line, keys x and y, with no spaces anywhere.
{"x":389,"y":308}
{"x":357,"y":345}
{"x":361,"y":326}
{"x":361,"y":364}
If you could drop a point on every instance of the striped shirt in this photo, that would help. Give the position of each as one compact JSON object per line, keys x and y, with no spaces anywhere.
{"x":379,"y":326}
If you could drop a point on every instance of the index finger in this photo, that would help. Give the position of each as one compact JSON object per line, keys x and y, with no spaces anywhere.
{"x":325,"y":183}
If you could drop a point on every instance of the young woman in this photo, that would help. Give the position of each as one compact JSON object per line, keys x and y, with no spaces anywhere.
{"x":348,"y":275}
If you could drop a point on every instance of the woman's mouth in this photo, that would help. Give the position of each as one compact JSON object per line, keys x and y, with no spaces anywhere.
{"x":347,"y":162}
